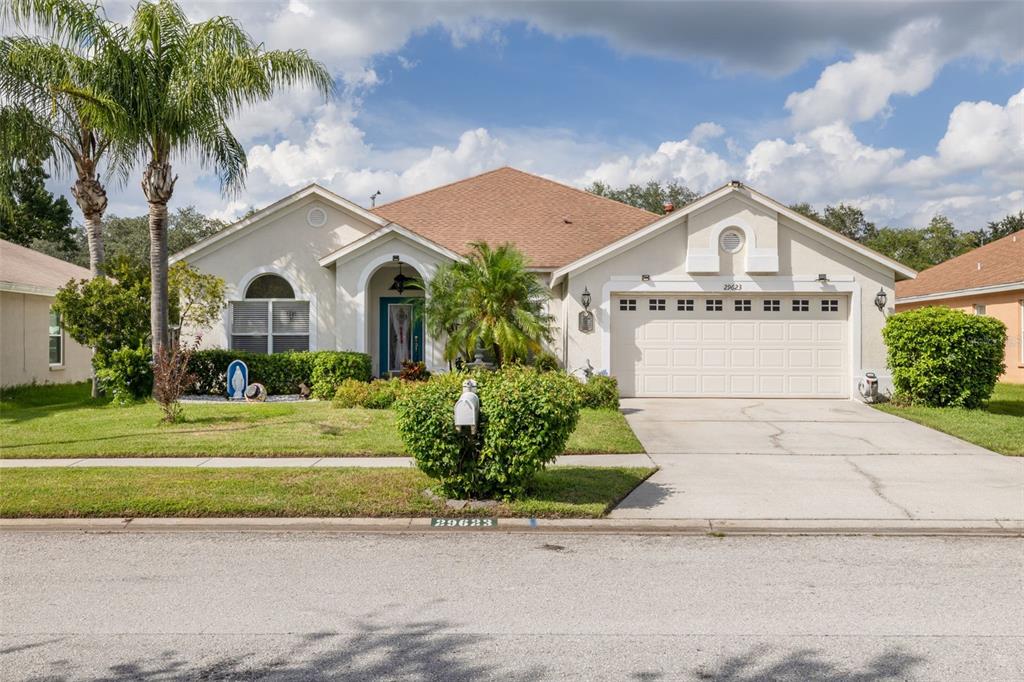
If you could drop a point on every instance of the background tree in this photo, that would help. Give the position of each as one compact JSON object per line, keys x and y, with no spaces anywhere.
{"x":189,"y":80}
{"x":34,"y":214}
{"x":58,"y":89}
{"x":997,"y":229}
{"x":492,"y":301}
{"x":129,"y":237}
{"x":650,"y":197}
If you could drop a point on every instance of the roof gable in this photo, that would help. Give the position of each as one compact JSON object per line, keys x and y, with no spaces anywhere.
{"x":551,"y":223}
{"x":996,"y":263}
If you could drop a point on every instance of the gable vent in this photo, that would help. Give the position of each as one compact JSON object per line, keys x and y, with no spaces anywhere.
{"x":731,"y":241}
{"x":316,"y":217}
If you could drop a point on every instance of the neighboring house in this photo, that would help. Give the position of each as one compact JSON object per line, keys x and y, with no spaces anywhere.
{"x":986,"y":281}
{"x":33,"y":345}
{"x":733,"y":295}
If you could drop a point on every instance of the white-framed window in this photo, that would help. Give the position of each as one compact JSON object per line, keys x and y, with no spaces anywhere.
{"x":713,"y":305}
{"x":979,"y":308}
{"x":270,"y":319}
{"x":684,"y":305}
{"x":772,"y":305}
{"x":741,"y":305}
{"x":56,"y":339}
{"x":627,"y":304}
{"x":829,"y":305}
{"x":656,"y":304}
{"x":801,"y":305}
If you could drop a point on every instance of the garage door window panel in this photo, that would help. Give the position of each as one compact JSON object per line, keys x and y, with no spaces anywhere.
{"x":684,"y":305}
{"x":772,"y":305}
{"x":801,"y":305}
{"x":713,"y":305}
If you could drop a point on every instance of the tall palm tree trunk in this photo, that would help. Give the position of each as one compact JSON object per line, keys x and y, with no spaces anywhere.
{"x":158,"y":185}
{"x":91,"y":197}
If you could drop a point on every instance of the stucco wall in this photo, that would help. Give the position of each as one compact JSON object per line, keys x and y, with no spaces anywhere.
{"x":25,"y":345}
{"x":1007,"y":306}
{"x":287,"y":245}
{"x":801,"y":256}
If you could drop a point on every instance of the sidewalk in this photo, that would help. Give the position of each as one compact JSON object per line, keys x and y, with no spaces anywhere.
{"x":284,"y":462}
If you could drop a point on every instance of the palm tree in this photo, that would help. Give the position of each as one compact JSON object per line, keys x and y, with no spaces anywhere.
{"x":188,"y":80}
{"x":490,"y":300}
{"x":57,"y":102}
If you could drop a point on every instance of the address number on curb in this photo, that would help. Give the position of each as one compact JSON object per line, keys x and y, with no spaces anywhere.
{"x":463,"y":523}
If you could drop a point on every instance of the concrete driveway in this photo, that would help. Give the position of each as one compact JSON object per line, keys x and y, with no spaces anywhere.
{"x":811,"y":459}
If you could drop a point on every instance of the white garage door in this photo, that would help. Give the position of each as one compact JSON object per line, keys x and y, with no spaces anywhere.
{"x":770,"y":345}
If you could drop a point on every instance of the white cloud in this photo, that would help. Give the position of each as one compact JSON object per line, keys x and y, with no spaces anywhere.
{"x":705,"y":131}
{"x":980,"y":135}
{"x":860,"y":89}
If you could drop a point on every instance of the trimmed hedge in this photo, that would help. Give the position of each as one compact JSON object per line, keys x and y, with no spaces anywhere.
{"x":281,"y":373}
{"x":600,"y":392}
{"x":943,"y":357}
{"x":526,"y":418}
{"x":127,"y":374}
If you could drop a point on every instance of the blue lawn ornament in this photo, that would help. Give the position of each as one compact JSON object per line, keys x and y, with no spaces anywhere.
{"x":238,"y":379}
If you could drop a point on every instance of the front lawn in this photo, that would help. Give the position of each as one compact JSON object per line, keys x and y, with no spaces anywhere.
{"x":248,"y":492}
{"x":62,"y":421}
{"x":998,"y":426}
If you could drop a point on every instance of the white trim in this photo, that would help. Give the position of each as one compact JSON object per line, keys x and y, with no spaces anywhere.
{"x":715,"y":284}
{"x":352,"y":249}
{"x":300,"y":295}
{"x":362,"y":302}
{"x":960,"y":293}
{"x":31,"y":289}
{"x":330,"y":197}
{"x":744,"y":193}
{"x":707,"y":260}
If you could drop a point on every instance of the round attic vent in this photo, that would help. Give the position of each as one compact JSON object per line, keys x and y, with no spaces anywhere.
{"x":731,"y":241}
{"x":316,"y":217}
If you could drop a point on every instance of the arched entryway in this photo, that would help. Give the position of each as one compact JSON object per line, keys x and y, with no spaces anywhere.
{"x":395,"y":317}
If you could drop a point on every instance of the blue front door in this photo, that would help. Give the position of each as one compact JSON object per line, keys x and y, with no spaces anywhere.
{"x":401,"y":333}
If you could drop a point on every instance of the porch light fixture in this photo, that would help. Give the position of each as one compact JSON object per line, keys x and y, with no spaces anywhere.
{"x":400,"y":282}
{"x":823,"y":278}
{"x":585,"y":299}
{"x":881,"y":298}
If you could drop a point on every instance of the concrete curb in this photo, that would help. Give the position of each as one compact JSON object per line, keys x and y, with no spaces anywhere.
{"x":715,"y":527}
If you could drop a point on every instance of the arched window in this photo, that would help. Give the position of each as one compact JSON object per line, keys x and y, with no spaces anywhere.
{"x":269,"y":320}
{"x":269,"y":286}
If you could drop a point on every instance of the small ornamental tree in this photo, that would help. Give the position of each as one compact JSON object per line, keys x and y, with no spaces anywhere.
{"x":197,"y":298}
{"x":526,"y":418}
{"x":943,"y":357}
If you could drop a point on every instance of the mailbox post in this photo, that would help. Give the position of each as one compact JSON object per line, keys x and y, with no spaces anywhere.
{"x":467,"y":409}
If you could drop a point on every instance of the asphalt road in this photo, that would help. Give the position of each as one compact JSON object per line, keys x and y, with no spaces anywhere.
{"x":283,"y":606}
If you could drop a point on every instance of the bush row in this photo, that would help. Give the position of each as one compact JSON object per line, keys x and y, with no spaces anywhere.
{"x":323,"y":371}
{"x":379,"y":394}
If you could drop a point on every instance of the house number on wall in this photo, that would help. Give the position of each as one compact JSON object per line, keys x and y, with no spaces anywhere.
{"x":732,"y":287}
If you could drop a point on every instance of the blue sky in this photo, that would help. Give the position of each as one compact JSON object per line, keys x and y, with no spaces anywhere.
{"x":907,"y":109}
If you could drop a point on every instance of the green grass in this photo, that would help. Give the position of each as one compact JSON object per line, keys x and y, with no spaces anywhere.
{"x":134,"y":492}
{"x":998,"y":426}
{"x":62,"y":421}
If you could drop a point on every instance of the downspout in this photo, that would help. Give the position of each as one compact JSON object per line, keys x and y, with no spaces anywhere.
{"x":565,"y":324}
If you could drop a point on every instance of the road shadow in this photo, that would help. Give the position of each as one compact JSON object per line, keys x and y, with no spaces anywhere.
{"x":807,"y":664}
{"x":424,"y":650}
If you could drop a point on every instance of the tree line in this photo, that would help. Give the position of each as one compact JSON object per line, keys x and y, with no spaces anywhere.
{"x":918,"y":248}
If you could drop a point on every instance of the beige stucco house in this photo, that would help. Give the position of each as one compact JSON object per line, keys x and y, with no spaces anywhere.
{"x":732,"y":295}
{"x":988,"y":280}
{"x":33,"y":345}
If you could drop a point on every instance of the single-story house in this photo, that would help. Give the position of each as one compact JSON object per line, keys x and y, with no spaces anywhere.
{"x":732,"y":295}
{"x":986,"y":281}
{"x":33,"y":345}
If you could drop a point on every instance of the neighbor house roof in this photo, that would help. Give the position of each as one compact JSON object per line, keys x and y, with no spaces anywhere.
{"x":26,"y":271}
{"x":994,"y":266}
{"x":551,"y":223}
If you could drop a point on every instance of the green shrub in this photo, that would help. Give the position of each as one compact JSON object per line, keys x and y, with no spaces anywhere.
{"x":414,"y":371}
{"x":545,"y":362}
{"x":526,"y":418}
{"x":280,"y":373}
{"x":379,"y":394}
{"x":600,"y":392}
{"x":126,"y":374}
{"x":944,"y":357}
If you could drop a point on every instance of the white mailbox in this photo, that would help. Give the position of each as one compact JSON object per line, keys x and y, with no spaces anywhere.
{"x":467,"y":409}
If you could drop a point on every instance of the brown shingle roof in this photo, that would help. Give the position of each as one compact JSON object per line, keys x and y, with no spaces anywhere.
{"x":999,"y":262}
{"x":23,"y":266}
{"x":508,"y":205}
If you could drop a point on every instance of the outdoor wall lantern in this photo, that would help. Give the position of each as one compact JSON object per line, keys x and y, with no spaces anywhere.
{"x":881,"y":299}
{"x":586,"y":318}
{"x":823,"y":278}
